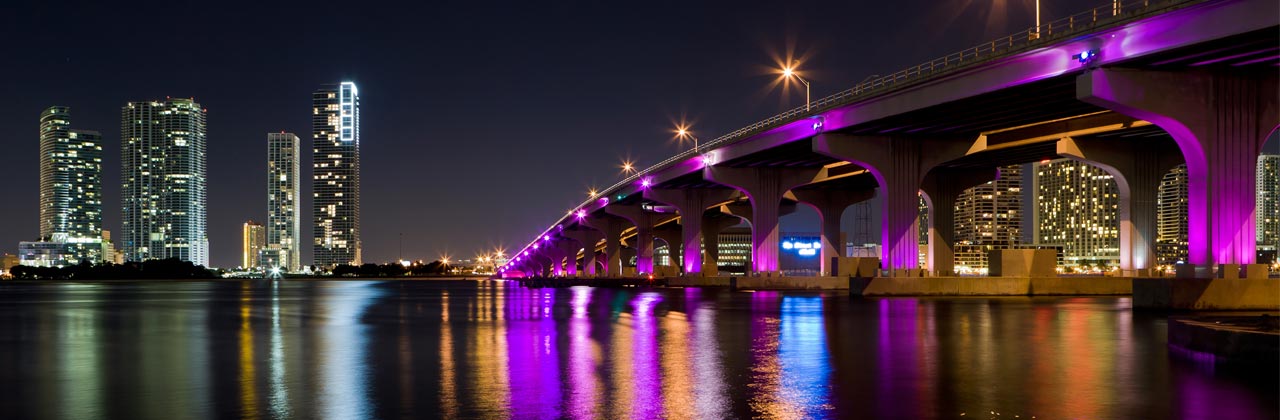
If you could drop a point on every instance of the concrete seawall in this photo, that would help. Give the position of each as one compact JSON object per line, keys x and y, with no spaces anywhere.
{"x":925,"y":286}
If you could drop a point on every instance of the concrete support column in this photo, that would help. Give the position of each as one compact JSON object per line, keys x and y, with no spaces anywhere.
{"x":674,"y":244}
{"x":1138,"y":166}
{"x":588,"y":238}
{"x":830,"y":205}
{"x":611,"y":227}
{"x":711,"y":228}
{"x":569,"y":249}
{"x":941,"y":188}
{"x":899,"y":164}
{"x":1219,"y":119}
{"x":644,"y":222}
{"x":764,"y":187}
{"x":691,"y":203}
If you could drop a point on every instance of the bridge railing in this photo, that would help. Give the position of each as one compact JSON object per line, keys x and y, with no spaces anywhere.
{"x":1116,"y":12}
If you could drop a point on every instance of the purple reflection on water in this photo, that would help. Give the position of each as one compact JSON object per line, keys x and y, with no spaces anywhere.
{"x":896,"y":359}
{"x":582,"y":360}
{"x":647,"y":383}
{"x":533,"y":359}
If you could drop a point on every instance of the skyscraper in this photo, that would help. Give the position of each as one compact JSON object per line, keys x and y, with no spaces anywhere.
{"x":1268,"y":203}
{"x":1078,"y":208}
{"x":254,"y":240}
{"x":70,"y":193}
{"x":335,"y":121}
{"x":1171,"y":217}
{"x":163,"y":181}
{"x":283,"y":224}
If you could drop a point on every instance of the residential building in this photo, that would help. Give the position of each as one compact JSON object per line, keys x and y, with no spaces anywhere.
{"x":254,"y":241}
{"x":283,"y":200}
{"x":163,"y":192}
{"x":336,"y":175}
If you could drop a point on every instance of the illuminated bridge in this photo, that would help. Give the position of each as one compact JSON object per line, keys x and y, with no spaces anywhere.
{"x":1134,"y":87}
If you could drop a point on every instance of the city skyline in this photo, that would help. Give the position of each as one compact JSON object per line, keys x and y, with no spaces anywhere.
{"x":434,"y":117}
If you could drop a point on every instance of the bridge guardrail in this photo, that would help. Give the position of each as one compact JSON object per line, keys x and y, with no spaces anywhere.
{"x":1118,"y":11}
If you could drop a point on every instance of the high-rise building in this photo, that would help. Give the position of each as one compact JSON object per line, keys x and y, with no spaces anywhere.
{"x":1171,"y":217}
{"x":283,"y":224}
{"x":163,"y":181}
{"x":254,"y":240}
{"x":1077,"y":207}
{"x":1268,"y":203}
{"x":988,"y":217}
{"x":70,"y":194}
{"x":335,"y":121}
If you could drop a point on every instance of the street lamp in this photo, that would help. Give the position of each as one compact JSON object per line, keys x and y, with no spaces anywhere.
{"x":683,"y":133}
{"x":790,"y":72}
{"x":628,"y":167}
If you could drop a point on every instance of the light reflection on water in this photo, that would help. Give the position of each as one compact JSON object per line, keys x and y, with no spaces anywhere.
{"x":464,"y":349}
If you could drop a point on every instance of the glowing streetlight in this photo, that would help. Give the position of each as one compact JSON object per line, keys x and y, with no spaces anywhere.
{"x":790,"y":72}
{"x":591,"y":193}
{"x":628,"y":167}
{"x":683,"y":133}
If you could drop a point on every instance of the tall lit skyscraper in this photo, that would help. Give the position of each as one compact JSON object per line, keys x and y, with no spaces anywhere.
{"x":254,"y":240}
{"x":1268,"y":202}
{"x":1171,"y":217}
{"x":70,"y":193}
{"x":283,"y":224}
{"x":1078,"y":208}
{"x":163,"y":181}
{"x":335,"y":121}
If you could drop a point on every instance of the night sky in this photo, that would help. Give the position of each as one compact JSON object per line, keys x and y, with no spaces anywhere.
{"x":482,"y":122}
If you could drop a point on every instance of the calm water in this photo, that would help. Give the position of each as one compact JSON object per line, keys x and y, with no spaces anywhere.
{"x":422,"y":349}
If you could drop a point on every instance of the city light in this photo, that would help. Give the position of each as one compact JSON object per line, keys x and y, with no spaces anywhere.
{"x":789,"y":72}
{"x":628,"y":167}
{"x":683,"y":133}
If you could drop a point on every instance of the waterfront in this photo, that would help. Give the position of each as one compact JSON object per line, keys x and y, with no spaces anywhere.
{"x":491,"y":349}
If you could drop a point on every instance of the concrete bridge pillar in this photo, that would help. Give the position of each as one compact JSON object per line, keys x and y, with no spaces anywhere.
{"x":611,"y":227}
{"x":764,"y":188}
{"x":588,"y":238}
{"x":1138,"y":166}
{"x":711,"y":228}
{"x":644,"y":222}
{"x":830,"y":205}
{"x":671,"y":235}
{"x":1220,"y":120}
{"x":899,"y":164}
{"x":941,"y":188}
{"x":691,"y":203}
{"x":569,"y":249}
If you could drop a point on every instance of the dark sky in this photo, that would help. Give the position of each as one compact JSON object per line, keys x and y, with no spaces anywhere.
{"x":482,"y":122}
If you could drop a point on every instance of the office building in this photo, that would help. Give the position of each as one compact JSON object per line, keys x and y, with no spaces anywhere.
{"x":164,"y":181}
{"x":1077,"y":208}
{"x":336,"y":175}
{"x":283,"y":178}
{"x":254,"y":237}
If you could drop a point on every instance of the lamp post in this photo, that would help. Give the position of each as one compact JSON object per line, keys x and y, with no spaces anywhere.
{"x":790,"y":72}
{"x":683,"y":133}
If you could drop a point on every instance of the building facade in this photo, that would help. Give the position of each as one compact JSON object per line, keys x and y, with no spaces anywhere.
{"x":283,"y":178}
{"x":987,"y":217}
{"x":70,"y":194}
{"x":1171,"y":218}
{"x":254,"y":237}
{"x":163,"y":182}
{"x":1077,"y":207}
{"x":1267,"y":221}
{"x":336,"y":175}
